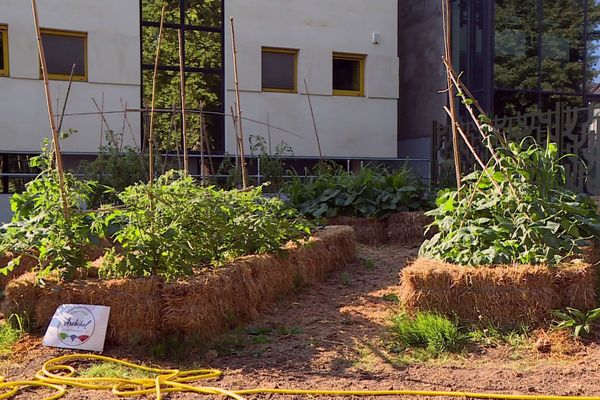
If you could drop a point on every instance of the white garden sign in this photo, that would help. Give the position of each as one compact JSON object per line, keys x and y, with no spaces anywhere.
{"x":78,"y":327}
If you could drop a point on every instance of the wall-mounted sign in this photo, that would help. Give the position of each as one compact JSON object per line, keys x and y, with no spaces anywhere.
{"x":78,"y":327}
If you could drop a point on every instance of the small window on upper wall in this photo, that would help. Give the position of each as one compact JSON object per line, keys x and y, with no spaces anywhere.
{"x":4,"y":70}
{"x":348,"y":74}
{"x":62,"y":50}
{"x":279,"y":70}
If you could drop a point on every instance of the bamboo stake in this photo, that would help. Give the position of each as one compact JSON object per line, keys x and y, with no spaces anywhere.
{"x":312,"y":114}
{"x":238,"y":106}
{"x":269,"y":135}
{"x":111,"y":136}
{"x":474,"y":152}
{"x":205,"y":143}
{"x":237,"y":138}
{"x":153,"y":104}
{"x":55,"y":135}
{"x":446,"y":10}
{"x":101,"y":111}
{"x":64,"y":108}
{"x":186,"y":164}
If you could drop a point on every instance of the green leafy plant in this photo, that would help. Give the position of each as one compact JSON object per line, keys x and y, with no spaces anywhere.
{"x":371,"y":192}
{"x":432,"y":332}
{"x":114,"y":170}
{"x":39,"y":227}
{"x":176,"y":227}
{"x":517,"y":211}
{"x":272,"y":167}
{"x":579,"y":322}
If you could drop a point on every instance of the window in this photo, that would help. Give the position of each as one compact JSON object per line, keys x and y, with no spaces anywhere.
{"x":279,"y":70}
{"x":62,"y":50}
{"x":3,"y":50}
{"x":348,"y":74}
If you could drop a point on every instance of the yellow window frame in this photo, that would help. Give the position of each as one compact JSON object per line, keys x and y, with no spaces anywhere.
{"x":361,"y":58}
{"x":4,"y":38}
{"x":278,"y":50}
{"x":66,"y":77}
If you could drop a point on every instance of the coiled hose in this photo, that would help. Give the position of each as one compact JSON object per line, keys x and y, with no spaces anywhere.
{"x":57,"y":375}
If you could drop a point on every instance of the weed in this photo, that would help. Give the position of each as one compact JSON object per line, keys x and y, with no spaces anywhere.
{"x":578,"y":321}
{"x":433,"y":333}
{"x":368,"y":264}
{"x":113,"y":370}
{"x":345,"y":279}
{"x":391,"y":297}
{"x":10,"y":332}
{"x":284,"y":330}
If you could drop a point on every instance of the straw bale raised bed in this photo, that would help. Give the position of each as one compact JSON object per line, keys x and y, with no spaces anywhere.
{"x":135,"y":314}
{"x":143,"y":310}
{"x":506,"y":296}
{"x":403,"y":228}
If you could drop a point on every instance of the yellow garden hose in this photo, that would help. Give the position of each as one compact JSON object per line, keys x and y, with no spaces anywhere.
{"x":57,"y":375}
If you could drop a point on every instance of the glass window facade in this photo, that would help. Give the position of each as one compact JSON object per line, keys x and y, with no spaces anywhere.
{"x":541,"y":52}
{"x":201,"y":22}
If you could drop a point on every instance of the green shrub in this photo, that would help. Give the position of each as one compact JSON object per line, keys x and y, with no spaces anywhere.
{"x":534,"y":220}
{"x":176,"y":227}
{"x":434,"y":333}
{"x":372,"y":193}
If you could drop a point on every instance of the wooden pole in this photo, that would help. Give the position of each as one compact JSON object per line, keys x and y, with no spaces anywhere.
{"x":186,"y":164}
{"x":153,"y":104}
{"x":64,"y":108}
{"x":53,"y":127}
{"x":238,"y":106}
{"x":447,"y":21}
{"x":312,"y":114}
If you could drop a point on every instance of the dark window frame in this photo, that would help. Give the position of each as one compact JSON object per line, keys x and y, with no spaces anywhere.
{"x":361,"y":59}
{"x":67,"y":33}
{"x":276,"y":50}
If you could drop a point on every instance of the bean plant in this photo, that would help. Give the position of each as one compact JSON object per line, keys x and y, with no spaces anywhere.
{"x":515,"y":211}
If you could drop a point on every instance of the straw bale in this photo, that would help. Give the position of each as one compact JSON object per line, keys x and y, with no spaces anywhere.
{"x":134,"y":305}
{"x":504,"y":295}
{"x":367,"y":230}
{"x":407,"y":228}
{"x":207,"y":305}
{"x":576,"y":285}
{"x":20,"y":295}
{"x":201,"y":307}
{"x":27,"y":264}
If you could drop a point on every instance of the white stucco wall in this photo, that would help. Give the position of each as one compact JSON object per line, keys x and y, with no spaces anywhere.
{"x":348,"y":126}
{"x":113,"y":70}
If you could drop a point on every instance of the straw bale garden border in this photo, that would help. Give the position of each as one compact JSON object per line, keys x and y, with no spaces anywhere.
{"x":199,"y":307}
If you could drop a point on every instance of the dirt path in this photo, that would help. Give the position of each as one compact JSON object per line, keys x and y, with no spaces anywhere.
{"x":331,"y":336}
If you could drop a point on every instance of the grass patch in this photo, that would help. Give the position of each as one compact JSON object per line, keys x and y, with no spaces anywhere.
{"x":113,"y":370}
{"x":10,"y":332}
{"x":430,"y":332}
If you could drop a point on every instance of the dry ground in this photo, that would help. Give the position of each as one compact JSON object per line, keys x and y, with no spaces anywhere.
{"x":332,"y":335}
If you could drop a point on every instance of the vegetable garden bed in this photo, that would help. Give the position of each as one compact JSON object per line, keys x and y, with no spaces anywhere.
{"x":403,"y":228}
{"x":200,"y":307}
{"x":506,"y":295}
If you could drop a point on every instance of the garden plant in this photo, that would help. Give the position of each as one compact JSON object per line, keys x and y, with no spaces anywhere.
{"x":372,"y":192}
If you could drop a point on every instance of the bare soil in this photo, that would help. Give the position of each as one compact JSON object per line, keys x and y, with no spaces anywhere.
{"x":333,"y":335}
